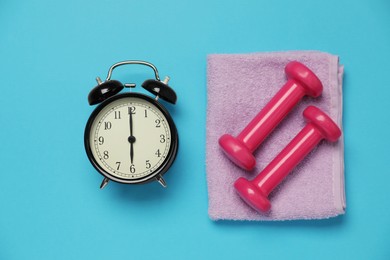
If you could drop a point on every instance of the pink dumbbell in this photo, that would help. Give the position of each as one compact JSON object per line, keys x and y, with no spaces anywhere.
{"x":301,"y":81}
{"x":319,"y":127}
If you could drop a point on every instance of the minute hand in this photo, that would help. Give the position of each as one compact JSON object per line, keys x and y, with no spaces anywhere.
{"x":131,"y":123}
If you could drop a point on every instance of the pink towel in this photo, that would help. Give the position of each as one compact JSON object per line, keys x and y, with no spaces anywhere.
{"x":238,"y":87}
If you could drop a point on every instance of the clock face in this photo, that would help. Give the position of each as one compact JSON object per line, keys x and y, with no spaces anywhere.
{"x":129,"y":139}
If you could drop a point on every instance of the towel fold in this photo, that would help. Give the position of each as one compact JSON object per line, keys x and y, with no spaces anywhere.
{"x":238,"y":87}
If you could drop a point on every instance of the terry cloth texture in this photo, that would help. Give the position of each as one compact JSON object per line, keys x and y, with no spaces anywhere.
{"x":238,"y":87}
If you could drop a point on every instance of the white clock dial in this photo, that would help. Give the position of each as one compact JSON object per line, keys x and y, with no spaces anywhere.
{"x":130,"y":138}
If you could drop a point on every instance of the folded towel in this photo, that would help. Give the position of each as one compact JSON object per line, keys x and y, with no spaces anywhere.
{"x":238,"y":87}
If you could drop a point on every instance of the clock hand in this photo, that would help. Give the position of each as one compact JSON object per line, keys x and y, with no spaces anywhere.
{"x":131,"y":152}
{"x":131,"y":137}
{"x":131,"y":123}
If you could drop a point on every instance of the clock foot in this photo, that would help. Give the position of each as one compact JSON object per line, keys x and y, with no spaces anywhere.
{"x":104,"y":183}
{"x":161,"y":181}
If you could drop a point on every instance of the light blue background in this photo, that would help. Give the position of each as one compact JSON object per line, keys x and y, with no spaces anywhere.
{"x":50,"y":53}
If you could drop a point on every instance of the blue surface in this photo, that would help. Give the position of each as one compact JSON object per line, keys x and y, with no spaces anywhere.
{"x":50,"y":53}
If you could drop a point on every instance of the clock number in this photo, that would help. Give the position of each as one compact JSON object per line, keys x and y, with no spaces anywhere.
{"x":117,"y":114}
{"x":118,"y":165}
{"x":158,"y":153}
{"x":162,"y":139}
{"x":146,"y":113}
{"x":148,"y":165}
{"x":132,"y":168}
{"x":158,"y":123}
{"x":105,"y":155}
{"x":131,"y":110}
{"x":101,"y":140}
{"x":107,"y":125}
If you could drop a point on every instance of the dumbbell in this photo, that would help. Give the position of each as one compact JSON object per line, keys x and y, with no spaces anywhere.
{"x":319,"y":127}
{"x":301,"y":81}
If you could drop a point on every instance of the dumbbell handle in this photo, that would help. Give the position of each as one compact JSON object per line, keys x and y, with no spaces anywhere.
{"x":271,"y":115}
{"x":288,"y":158}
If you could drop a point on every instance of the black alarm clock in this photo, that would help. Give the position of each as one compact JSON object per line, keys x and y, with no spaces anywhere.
{"x":130,"y":138}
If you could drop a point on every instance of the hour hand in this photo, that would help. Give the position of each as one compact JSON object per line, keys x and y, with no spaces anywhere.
{"x":131,"y":152}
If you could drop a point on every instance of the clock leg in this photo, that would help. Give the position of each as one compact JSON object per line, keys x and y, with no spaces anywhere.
{"x":161,"y":181}
{"x":104,"y":183}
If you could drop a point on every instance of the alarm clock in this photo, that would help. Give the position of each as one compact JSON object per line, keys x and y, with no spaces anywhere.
{"x":131,"y":138}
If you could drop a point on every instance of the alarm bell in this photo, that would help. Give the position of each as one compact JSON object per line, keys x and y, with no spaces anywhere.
{"x":160,"y":89}
{"x":104,"y":90}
